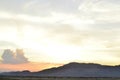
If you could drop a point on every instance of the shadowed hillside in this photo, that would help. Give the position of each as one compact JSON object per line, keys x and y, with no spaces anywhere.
{"x":74,"y":70}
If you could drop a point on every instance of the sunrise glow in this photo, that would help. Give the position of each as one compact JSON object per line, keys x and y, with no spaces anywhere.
{"x":58,"y":32}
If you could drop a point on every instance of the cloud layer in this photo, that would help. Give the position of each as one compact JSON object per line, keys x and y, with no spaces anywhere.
{"x":10,"y":57}
{"x":50,"y":27}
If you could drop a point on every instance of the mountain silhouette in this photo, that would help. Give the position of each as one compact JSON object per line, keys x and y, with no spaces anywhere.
{"x":73,"y":69}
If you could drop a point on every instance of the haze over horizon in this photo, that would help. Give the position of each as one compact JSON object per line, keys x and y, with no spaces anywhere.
{"x":48,"y":33}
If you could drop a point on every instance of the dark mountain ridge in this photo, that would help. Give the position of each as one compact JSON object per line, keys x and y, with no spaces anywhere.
{"x":73,"y":70}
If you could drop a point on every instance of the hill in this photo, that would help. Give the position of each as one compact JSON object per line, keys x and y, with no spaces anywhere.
{"x":73,"y":70}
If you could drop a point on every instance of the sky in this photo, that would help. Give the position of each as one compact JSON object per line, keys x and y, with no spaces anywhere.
{"x":55,"y":32}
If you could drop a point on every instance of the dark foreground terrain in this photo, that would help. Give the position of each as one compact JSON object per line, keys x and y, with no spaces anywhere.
{"x":72,"y":70}
{"x":53,"y":78}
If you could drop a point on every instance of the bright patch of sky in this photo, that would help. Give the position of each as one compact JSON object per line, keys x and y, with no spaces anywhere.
{"x":68,"y":29}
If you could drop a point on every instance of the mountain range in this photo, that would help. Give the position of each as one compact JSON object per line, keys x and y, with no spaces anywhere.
{"x":73,"y":69}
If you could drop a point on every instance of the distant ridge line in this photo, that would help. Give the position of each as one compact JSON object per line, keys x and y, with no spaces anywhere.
{"x":73,"y":69}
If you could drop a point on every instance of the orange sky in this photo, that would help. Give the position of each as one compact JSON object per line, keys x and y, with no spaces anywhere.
{"x":28,"y":66}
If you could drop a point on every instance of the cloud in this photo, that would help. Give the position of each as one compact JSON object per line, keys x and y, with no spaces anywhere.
{"x":100,"y":10}
{"x":45,"y":7}
{"x":8,"y":44}
{"x":88,"y":24}
{"x":10,"y":57}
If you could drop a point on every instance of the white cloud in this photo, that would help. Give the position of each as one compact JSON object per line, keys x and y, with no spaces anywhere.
{"x":10,"y":57}
{"x":55,"y":17}
{"x":100,"y":10}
